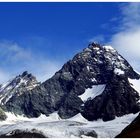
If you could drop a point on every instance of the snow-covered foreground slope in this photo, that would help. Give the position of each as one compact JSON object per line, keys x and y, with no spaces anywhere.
{"x":76,"y":126}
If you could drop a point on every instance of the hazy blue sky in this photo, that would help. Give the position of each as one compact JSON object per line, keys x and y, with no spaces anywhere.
{"x":40,"y":37}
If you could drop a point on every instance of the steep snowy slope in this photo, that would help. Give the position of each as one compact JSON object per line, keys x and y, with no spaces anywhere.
{"x":88,"y":94}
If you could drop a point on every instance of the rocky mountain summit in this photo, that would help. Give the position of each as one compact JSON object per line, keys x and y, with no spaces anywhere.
{"x":17,"y":86}
{"x":94,"y":83}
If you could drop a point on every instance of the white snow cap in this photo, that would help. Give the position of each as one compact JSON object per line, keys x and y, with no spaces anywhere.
{"x":108,"y":48}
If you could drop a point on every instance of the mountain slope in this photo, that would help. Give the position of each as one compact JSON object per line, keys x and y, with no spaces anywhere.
{"x":99,"y":72}
{"x":132,"y":130}
{"x":16,"y":86}
{"x":55,"y":127}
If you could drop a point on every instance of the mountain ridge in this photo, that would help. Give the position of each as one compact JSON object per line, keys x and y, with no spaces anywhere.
{"x":95,"y":65}
{"x":25,"y":81}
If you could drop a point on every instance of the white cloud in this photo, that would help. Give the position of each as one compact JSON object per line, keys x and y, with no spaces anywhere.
{"x":43,"y":68}
{"x":130,"y":14}
{"x":17,"y":59}
{"x":13,"y":51}
{"x":127,"y":39}
{"x":128,"y":42}
{"x":4,"y":76}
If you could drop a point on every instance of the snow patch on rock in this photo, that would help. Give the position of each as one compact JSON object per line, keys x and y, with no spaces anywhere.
{"x":96,"y":90}
{"x":118,"y":71}
{"x":135,"y":84}
{"x":109,"y":48}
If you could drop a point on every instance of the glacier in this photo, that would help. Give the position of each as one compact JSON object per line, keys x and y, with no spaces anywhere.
{"x":55,"y":127}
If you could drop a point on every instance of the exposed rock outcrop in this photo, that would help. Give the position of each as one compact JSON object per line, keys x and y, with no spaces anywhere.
{"x":23,"y":134}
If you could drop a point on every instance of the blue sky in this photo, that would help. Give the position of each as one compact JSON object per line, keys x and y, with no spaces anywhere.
{"x":41,"y":37}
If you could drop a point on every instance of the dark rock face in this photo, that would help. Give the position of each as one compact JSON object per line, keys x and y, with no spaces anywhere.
{"x":132,"y":130}
{"x":23,"y":134}
{"x":69,"y":107}
{"x":118,"y":99}
{"x":91,"y":134}
{"x":95,"y":65}
{"x":2,"y":115}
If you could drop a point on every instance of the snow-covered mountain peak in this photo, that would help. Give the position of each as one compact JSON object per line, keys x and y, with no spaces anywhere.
{"x":96,"y":55}
{"x":16,"y":86}
{"x":94,"y":83}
